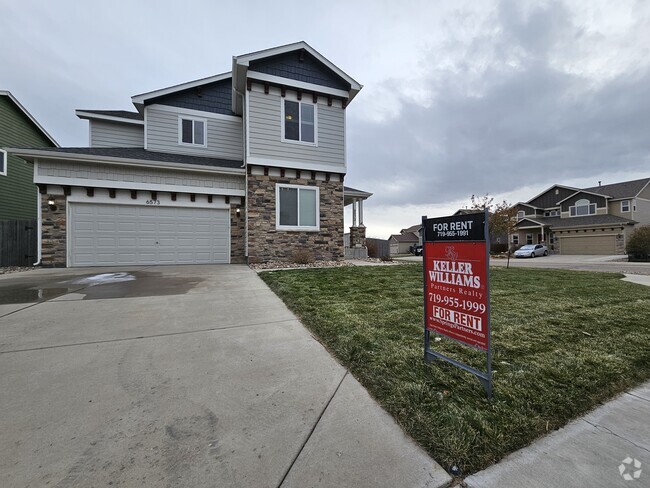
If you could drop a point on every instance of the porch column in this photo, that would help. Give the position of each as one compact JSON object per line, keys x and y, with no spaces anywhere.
{"x":360,"y":213}
{"x":354,"y":213}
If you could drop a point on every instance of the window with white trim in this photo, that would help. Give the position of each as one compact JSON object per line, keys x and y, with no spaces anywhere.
{"x":191,"y":130}
{"x":551,"y":213}
{"x":529,"y":238}
{"x":625,"y":206}
{"x":515,"y":239}
{"x":521,"y":214}
{"x":582,"y":207}
{"x":297,"y":207}
{"x":299,"y":122}
{"x":3,"y":163}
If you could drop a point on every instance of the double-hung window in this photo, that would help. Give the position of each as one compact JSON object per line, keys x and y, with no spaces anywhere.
{"x":625,"y":206}
{"x":3,"y":163}
{"x":191,"y":130}
{"x":297,"y":207}
{"x":299,"y":122}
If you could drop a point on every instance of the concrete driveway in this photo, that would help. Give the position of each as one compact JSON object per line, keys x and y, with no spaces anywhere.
{"x":181,"y":376}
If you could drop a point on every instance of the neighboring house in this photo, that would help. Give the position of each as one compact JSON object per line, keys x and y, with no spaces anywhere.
{"x":498,"y":242}
{"x":596,"y":220}
{"x":18,"y":194}
{"x":402,"y":243}
{"x":246,"y":166}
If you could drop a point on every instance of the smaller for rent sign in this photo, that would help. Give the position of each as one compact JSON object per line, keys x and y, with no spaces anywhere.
{"x":456,"y":291}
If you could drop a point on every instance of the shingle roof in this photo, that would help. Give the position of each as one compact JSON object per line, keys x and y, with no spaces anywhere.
{"x":560,"y":223}
{"x":406,"y":237}
{"x":621,"y":190}
{"x":414,"y":228}
{"x":135,"y":153}
{"x":122,"y":114}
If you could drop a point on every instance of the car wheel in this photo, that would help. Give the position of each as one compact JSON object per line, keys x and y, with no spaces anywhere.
{"x":532,"y":254}
{"x":545,"y":253}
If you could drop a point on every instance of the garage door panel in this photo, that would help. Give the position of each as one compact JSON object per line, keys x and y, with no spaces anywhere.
{"x":591,"y":244}
{"x":103,"y":235}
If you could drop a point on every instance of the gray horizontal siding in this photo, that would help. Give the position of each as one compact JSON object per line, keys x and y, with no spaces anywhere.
{"x":265,"y":132}
{"x":134,"y":175}
{"x":113,"y":134}
{"x":224,"y":135}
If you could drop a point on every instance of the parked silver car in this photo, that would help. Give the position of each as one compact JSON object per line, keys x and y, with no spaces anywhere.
{"x":531,"y":250}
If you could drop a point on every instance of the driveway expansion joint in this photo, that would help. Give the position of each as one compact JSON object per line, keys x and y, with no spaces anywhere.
{"x":311,"y":432}
{"x":152,"y":336}
{"x":609,"y":431}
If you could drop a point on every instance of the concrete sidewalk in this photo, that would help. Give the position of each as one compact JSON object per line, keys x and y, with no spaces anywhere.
{"x":596,"y":451}
{"x":183,"y":376}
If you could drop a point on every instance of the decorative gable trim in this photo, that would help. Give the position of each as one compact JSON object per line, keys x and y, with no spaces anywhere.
{"x":582,"y":191}
{"x":277,"y":80}
{"x":143,"y":97}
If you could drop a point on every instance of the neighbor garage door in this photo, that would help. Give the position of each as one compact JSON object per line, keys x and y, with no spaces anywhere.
{"x":104,"y":235}
{"x":588,"y":245}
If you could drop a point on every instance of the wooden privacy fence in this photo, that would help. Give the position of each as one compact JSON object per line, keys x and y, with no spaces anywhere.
{"x":377,"y":248}
{"x":18,"y":241}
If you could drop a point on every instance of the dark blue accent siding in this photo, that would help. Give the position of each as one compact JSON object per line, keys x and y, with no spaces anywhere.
{"x":212,"y":97}
{"x":309,"y":70}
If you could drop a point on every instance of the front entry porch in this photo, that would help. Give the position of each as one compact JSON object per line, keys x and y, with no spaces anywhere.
{"x":355,"y":241}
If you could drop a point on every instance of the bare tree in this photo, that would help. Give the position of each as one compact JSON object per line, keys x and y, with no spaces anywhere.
{"x":502,"y":217}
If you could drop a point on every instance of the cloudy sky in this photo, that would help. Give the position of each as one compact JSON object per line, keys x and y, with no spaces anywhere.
{"x":460,"y":97}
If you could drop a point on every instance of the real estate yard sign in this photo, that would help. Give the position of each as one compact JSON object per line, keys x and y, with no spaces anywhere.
{"x":456,"y":286}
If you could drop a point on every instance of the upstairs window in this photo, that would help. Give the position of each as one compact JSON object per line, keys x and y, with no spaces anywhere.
{"x":515,"y":239}
{"x":521,"y":214}
{"x":299,"y":122}
{"x":191,"y":131}
{"x":625,"y":206}
{"x":551,"y":213}
{"x":582,"y":207}
{"x":297,"y":207}
{"x":3,"y":163}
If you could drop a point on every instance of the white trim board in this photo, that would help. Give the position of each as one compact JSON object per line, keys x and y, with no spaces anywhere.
{"x":257,"y":76}
{"x":82,"y":114}
{"x":192,"y":113}
{"x":124,"y":185}
{"x":143,"y":97}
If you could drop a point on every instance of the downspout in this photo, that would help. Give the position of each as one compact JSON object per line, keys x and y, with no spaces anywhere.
{"x":39,"y":221}
{"x":244,"y":165}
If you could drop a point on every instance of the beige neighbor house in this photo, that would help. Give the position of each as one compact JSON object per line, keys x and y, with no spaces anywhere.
{"x":243,"y":166}
{"x":596,"y":220}
{"x":402,"y":243}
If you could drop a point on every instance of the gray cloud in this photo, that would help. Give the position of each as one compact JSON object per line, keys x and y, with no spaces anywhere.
{"x":519,"y":121}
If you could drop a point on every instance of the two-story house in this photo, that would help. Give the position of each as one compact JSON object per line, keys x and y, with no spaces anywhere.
{"x":245,"y":166}
{"x":18,"y":195}
{"x":596,"y":220}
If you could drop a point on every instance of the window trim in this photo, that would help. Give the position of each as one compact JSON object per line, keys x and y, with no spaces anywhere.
{"x":529,"y":237}
{"x":521,"y":214}
{"x":182,"y":117}
{"x":282,"y":124}
{"x":4,"y":159}
{"x":299,"y":228}
{"x":515,"y":239}
{"x":627,"y":202}
{"x":573,"y":209}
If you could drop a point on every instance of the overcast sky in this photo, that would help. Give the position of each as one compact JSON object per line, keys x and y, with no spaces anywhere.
{"x":459,"y":98}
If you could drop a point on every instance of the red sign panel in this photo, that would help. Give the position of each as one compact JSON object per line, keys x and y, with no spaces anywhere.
{"x":456,"y":291}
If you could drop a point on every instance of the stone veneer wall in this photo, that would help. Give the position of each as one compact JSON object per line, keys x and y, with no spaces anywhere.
{"x":357,"y":237}
{"x":266,"y":243}
{"x":53,"y":244}
{"x":237,"y":235}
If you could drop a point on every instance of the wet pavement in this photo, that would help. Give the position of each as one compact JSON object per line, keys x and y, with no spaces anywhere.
{"x":33,"y":287}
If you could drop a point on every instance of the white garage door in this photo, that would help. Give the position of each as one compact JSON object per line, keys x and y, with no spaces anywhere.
{"x":104,"y":235}
{"x":588,"y":245}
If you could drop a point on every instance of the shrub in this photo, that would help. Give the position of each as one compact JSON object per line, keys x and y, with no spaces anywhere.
{"x":303,"y":256}
{"x":638,"y":245}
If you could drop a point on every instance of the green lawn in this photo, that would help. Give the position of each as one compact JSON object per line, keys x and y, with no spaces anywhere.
{"x":563,"y":342}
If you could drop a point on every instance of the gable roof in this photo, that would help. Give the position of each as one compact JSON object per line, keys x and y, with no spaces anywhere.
{"x":242,"y":63}
{"x":414,"y":228}
{"x":585,"y":192}
{"x":406,"y":237}
{"x":620,"y":190}
{"x":8,"y":94}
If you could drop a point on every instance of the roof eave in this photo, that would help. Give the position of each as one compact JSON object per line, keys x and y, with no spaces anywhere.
{"x":31,"y":155}
{"x":82,"y":114}
{"x":142,"y":98}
